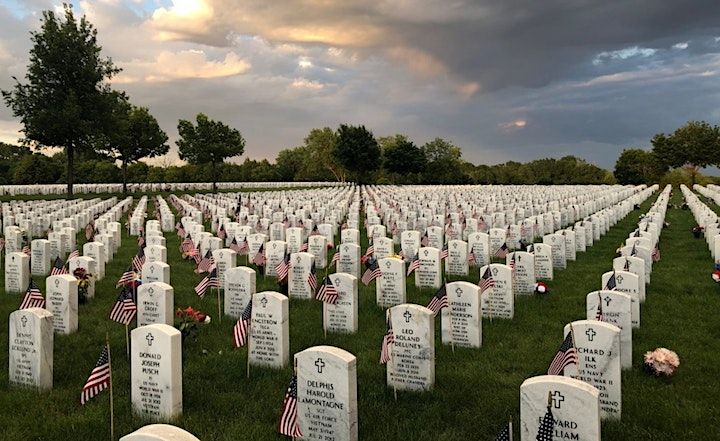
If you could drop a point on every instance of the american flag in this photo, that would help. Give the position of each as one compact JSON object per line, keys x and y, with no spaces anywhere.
{"x":303,"y":247}
{"x":58,"y":267}
{"x":633,"y":251}
{"x":611,"y":284}
{"x":486,"y":281}
{"x":283,"y":268}
{"x":187,"y":245}
{"x":222,"y":234}
{"x":211,"y":280}
{"x":445,"y":252}
{"x":502,"y":251}
{"x":99,"y":379}
{"x":141,"y":241}
{"x":335,"y":258}
{"x":2,"y":243}
{"x":599,"y":313}
{"x":139,"y":259}
{"x":126,"y":277}
{"x":312,"y":279}
{"x":626,"y":267}
{"x":414,"y":264}
{"x":387,"y":342}
{"x":370,"y":251}
{"x":482,"y":225}
{"x":472,"y":260}
{"x":505,"y":434}
{"x":259,"y":258}
{"x":327,"y":293}
{"x":288,"y":419}
{"x":547,"y":427}
{"x":424,"y":240}
{"x":512,"y":262}
{"x":655,"y":254}
{"x":566,"y":356}
{"x":205,"y":263}
{"x":124,"y":309}
{"x":315,"y":231}
{"x":439,"y":300}
{"x":26,"y":250}
{"x":242,"y":327}
{"x":33,"y":297}
{"x":372,"y":271}
{"x":73,"y":254}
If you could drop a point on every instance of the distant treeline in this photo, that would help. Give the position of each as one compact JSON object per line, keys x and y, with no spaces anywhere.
{"x":20,"y":165}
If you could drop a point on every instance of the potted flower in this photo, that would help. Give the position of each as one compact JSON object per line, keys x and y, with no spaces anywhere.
{"x":190,"y":321}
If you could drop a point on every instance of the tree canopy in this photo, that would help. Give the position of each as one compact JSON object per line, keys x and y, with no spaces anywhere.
{"x":694,"y":146}
{"x":357,"y":150}
{"x":65,"y":100}
{"x":208,"y":142}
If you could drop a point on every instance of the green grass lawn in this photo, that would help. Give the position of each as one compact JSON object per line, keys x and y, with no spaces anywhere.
{"x":476,"y":389}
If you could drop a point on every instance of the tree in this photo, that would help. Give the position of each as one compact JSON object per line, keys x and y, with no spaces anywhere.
{"x":444,"y":161}
{"x":210,"y":142}
{"x":64,"y":102}
{"x":636,"y":166}
{"x":320,"y":145}
{"x":137,"y":135}
{"x":357,"y":151}
{"x":693,"y":146}
{"x":402,"y":157}
{"x":35,"y":169}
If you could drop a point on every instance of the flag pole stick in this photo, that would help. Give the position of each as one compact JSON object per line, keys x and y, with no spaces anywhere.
{"x":510,"y":428}
{"x":392,"y":359}
{"x":218,"y":302}
{"x":127,"y":340}
{"x":112,"y":410}
{"x":248,"y":351}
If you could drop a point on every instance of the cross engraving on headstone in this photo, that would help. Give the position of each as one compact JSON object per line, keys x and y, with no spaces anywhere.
{"x":590,"y":334}
{"x":263,"y":301}
{"x":320,"y":364}
{"x":607,"y":300}
{"x":458,"y":291}
{"x":149,"y":339}
{"x":619,"y":278}
{"x":557,"y":399}
{"x":24,"y":321}
{"x":407,"y":316}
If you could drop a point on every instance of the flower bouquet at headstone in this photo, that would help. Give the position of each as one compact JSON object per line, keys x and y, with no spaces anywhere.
{"x":83,"y":277}
{"x":697,"y":231}
{"x":541,"y":288}
{"x":190,"y":322}
{"x":661,"y":362}
{"x":716,"y":273}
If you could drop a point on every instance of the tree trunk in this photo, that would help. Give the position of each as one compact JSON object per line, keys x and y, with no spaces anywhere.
{"x":70,"y":169}
{"x":124,"y":172}
{"x":214,"y":177}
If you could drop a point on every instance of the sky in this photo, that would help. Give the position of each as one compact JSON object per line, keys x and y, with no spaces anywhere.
{"x":503,"y":80}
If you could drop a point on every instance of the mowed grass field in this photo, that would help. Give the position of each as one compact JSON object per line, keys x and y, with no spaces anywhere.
{"x":476,"y":389}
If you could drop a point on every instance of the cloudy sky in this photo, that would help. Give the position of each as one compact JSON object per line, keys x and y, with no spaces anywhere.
{"x":505,"y":80}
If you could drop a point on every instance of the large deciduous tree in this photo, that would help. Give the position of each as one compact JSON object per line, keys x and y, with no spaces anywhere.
{"x":208,"y":142}
{"x":402,"y":158}
{"x":637,"y":166}
{"x":64,"y":102}
{"x":136,"y":135}
{"x":693,"y":146}
{"x":358,"y":151}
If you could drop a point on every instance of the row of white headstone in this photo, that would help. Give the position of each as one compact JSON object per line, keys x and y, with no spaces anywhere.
{"x":706,"y":217}
{"x":53,"y":189}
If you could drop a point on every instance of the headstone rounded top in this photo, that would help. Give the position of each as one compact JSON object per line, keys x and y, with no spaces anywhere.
{"x":341,"y":354}
{"x":38,"y":312}
{"x":561,"y":379}
{"x":160,"y":432}
{"x":597,"y":324}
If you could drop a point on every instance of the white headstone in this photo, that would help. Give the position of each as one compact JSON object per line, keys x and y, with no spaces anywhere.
{"x":155,"y":304}
{"x":390,"y":286}
{"x":300,"y":266}
{"x":429,"y":273}
{"x":31,"y":348}
{"x":17,"y":272}
{"x":269,"y":330}
{"x":412,"y":355}
{"x":462,"y":319}
{"x":239,"y":288}
{"x":343,"y":316}
{"x":498,"y":300}
{"x":156,"y":371}
{"x":61,"y":300}
{"x":614,"y":307}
